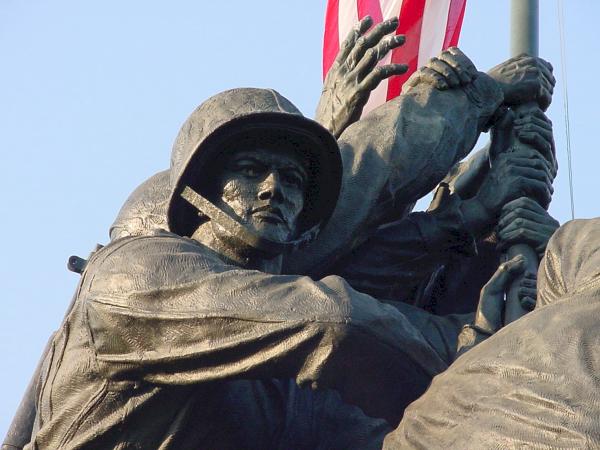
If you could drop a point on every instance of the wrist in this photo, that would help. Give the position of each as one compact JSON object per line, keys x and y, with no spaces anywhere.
{"x":475,"y":215}
{"x":444,"y":228}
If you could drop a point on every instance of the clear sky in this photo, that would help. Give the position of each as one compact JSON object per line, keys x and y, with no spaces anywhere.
{"x":92,"y":93}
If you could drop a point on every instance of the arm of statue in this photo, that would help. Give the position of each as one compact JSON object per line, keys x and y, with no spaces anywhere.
{"x":400,"y":151}
{"x":355,"y":73}
{"x":166,"y":311}
{"x":397,"y":257}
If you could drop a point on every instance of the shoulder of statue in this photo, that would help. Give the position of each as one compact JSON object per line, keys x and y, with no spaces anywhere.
{"x":157,"y":253}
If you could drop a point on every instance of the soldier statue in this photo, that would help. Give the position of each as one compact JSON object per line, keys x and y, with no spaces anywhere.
{"x":198,"y":326}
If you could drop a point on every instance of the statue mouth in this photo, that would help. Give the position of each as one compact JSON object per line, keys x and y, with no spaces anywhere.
{"x":269,"y":214}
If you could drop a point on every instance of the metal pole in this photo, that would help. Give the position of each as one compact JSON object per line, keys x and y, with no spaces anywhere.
{"x":524,"y":27}
{"x":524,"y":39}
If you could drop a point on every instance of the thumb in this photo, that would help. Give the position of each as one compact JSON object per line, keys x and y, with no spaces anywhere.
{"x":491,"y":301}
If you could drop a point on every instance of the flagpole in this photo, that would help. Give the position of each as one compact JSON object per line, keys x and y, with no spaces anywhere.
{"x":524,"y":27}
{"x":524,"y":39}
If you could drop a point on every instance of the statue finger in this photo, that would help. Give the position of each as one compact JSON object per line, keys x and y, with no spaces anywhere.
{"x":536,"y":229}
{"x":444,"y":69}
{"x":526,"y":174}
{"x":528,"y":303}
{"x":529,"y":130}
{"x":544,"y":98}
{"x":538,"y":232}
{"x":528,"y":157}
{"x":546,"y":72}
{"x":529,"y":280}
{"x":371,"y":39}
{"x":348,"y":44}
{"x":380,"y":73}
{"x":522,"y":204}
{"x":429,"y":76}
{"x":491,"y":300}
{"x":460,"y":60}
{"x":526,"y":291}
{"x":465,"y":74}
{"x":537,"y":118}
{"x":373,"y":55}
{"x":542,"y":140}
{"x":505,"y":273}
{"x":538,"y":142}
{"x":521,"y":236}
{"x":541,"y":191}
{"x":510,"y":219}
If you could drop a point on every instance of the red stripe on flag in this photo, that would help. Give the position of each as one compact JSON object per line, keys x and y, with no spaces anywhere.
{"x":411,"y":19}
{"x":456,"y":13}
{"x":331,"y":39}
{"x":369,"y":8}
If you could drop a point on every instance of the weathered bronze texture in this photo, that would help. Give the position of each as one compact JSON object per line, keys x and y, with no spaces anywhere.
{"x":274,"y":289}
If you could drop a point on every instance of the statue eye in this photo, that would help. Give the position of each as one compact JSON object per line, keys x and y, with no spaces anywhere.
{"x":249,"y":168}
{"x":293,"y":179}
{"x":251,"y":171}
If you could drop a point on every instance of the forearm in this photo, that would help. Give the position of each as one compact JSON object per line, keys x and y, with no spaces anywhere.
{"x":399,"y":256}
{"x":193,"y":324}
{"x":403,"y":149}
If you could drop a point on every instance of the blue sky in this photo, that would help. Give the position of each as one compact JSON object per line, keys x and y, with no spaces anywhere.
{"x":93,"y":93}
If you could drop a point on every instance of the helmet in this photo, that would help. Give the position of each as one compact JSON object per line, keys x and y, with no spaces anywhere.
{"x":252,"y":116}
{"x":145,"y":210}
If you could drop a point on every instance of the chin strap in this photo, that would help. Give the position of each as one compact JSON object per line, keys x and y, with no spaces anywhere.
{"x":239,"y":231}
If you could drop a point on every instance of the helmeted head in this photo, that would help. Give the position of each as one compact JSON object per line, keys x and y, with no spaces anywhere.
{"x":145,"y":210}
{"x":251,"y":155}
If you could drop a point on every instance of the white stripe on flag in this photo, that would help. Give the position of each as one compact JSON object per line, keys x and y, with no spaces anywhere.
{"x":389,"y":9}
{"x":347,"y":18}
{"x":433,"y":31}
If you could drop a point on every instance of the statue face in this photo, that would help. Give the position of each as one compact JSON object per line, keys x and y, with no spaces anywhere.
{"x":264,"y":191}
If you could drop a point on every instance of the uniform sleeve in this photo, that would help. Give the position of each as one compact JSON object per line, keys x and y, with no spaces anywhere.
{"x":394,"y":261}
{"x":161,"y":309}
{"x":398,"y":153}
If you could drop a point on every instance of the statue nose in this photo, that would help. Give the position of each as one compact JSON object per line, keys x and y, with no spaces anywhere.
{"x":270,"y":187}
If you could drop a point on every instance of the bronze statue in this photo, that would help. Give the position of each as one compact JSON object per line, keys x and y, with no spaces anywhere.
{"x":535,"y":383}
{"x":198,"y":320}
{"x":204,"y":330}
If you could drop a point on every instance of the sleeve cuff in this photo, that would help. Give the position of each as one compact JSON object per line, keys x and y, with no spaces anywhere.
{"x":444,"y":228}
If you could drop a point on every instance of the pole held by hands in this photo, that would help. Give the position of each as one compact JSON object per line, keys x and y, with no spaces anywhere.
{"x":524,"y":39}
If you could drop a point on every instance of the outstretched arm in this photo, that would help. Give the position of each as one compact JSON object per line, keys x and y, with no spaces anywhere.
{"x":395,"y":155}
{"x":166,"y":310}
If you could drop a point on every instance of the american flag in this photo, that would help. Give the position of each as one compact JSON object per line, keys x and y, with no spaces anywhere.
{"x":429,"y":25}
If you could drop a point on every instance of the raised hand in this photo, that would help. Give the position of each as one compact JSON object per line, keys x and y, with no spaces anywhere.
{"x":535,"y":129}
{"x":355,"y":73}
{"x":452,"y":68}
{"x":524,"y":221}
{"x":490,"y":310}
{"x":525,"y":78}
{"x":524,"y":172}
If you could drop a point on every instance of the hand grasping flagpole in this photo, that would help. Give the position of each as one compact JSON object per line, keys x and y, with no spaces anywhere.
{"x":524,"y":39}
